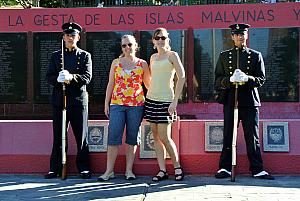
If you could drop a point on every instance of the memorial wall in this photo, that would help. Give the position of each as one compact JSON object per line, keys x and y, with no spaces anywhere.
{"x":197,"y":33}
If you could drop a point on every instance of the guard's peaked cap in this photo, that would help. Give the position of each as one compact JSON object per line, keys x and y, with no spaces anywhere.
{"x":71,"y":28}
{"x":239,"y":28}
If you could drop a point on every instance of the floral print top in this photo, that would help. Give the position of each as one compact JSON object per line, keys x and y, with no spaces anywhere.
{"x":128,"y":88}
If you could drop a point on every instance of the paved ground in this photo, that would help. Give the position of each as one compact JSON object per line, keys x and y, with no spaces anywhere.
{"x":34,"y":187}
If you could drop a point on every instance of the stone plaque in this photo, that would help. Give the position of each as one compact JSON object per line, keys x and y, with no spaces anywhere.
{"x":104,"y":48}
{"x":147,"y":143}
{"x":276,"y":136}
{"x":97,"y":136}
{"x":281,"y":58}
{"x":43,"y":46}
{"x":213,"y":136}
{"x":206,"y":52}
{"x":13,"y":68}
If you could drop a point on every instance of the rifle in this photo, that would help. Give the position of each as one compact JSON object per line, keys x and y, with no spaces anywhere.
{"x":64,"y":118}
{"x":235,"y":124}
{"x":234,"y":134}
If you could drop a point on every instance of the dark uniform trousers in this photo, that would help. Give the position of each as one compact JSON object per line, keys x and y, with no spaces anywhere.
{"x":77,"y":117}
{"x":249,"y":117}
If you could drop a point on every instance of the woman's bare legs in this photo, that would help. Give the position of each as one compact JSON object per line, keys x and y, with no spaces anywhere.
{"x":130,"y":156}
{"x":159,"y":148}
{"x":112,"y":153}
{"x":163,"y":142}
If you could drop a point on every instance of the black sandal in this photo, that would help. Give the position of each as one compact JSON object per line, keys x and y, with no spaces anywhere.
{"x":160,"y":178}
{"x":179,"y":177}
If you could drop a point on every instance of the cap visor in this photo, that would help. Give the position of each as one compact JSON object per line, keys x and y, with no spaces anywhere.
{"x":238,"y":32}
{"x":72,"y":32}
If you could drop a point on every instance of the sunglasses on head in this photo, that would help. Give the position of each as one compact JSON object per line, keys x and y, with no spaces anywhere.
{"x":124,"y":45}
{"x":160,"y":37}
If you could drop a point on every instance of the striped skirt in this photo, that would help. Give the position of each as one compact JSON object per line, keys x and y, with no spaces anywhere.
{"x":157,"y":112}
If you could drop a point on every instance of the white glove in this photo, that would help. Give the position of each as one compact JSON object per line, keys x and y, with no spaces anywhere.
{"x":244,"y":77}
{"x":66,"y":75}
{"x":236,"y":76}
{"x":239,"y":76}
{"x":60,"y":78}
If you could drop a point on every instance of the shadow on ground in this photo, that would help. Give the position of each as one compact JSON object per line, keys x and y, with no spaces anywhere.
{"x":34,"y":187}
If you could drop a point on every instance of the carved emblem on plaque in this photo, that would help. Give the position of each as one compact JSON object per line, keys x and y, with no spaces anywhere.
{"x":147,"y":142}
{"x":276,"y":136}
{"x":97,"y":136}
{"x":213,"y":136}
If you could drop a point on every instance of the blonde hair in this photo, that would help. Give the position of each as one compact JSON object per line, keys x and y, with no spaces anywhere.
{"x":162,"y":30}
{"x":129,"y":37}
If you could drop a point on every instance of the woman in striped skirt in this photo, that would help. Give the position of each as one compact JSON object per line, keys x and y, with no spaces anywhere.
{"x":161,"y":101}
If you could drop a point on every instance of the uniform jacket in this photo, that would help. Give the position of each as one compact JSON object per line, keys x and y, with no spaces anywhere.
{"x":79,"y":63}
{"x":250,"y":62}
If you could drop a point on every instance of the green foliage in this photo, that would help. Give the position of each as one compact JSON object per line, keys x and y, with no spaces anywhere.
{"x":8,"y":2}
{"x":51,"y":3}
{"x":25,"y":3}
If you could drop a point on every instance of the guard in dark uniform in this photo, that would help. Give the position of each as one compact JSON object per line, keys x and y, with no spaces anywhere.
{"x":244,"y":66}
{"x":76,"y":75}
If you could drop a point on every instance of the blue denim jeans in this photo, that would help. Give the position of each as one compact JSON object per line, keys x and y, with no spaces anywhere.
{"x":119,"y":116}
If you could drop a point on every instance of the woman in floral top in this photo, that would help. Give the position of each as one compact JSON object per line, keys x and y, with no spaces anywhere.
{"x":124,"y":105}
